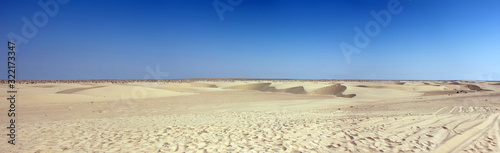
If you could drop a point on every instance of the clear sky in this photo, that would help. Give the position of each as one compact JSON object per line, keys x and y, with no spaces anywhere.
{"x":118,"y":39}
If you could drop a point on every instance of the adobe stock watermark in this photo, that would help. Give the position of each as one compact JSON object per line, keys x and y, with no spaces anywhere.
{"x":129,"y":101}
{"x":38,"y":20}
{"x":371,"y":29}
{"x":221,"y":7}
{"x":489,"y":77}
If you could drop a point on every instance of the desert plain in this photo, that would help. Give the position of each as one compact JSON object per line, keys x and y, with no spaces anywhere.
{"x":245,"y":115}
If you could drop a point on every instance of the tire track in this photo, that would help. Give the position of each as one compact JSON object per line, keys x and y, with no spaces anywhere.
{"x":459,"y":142}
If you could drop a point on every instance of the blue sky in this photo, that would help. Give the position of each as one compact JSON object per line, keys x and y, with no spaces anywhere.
{"x":426,"y":40}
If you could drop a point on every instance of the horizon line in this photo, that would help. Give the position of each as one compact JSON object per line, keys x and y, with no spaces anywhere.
{"x":4,"y":80}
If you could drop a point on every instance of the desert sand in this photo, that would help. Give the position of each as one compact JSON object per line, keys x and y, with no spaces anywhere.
{"x":218,"y":115}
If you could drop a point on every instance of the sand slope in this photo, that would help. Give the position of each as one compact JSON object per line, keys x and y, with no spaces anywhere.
{"x":335,"y":89}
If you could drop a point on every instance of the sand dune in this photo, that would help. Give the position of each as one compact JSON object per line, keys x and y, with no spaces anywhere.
{"x":257,"y":116}
{"x":197,"y":84}
{"x":272,"y":89}
{"x":295,"y":90}
{"x":336,"y":89}
{"x":73,"y":90}
{"x":100,"y":94}
{"x":119,"y":91}
{"x":43,"y":99}
{"x":399,"y":83}
{"x":475,"y":87}
{"x":44,"y":86}
{"x":254,"y":86}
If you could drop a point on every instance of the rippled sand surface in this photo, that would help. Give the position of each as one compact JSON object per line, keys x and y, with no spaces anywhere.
{"x":256,"y":116}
